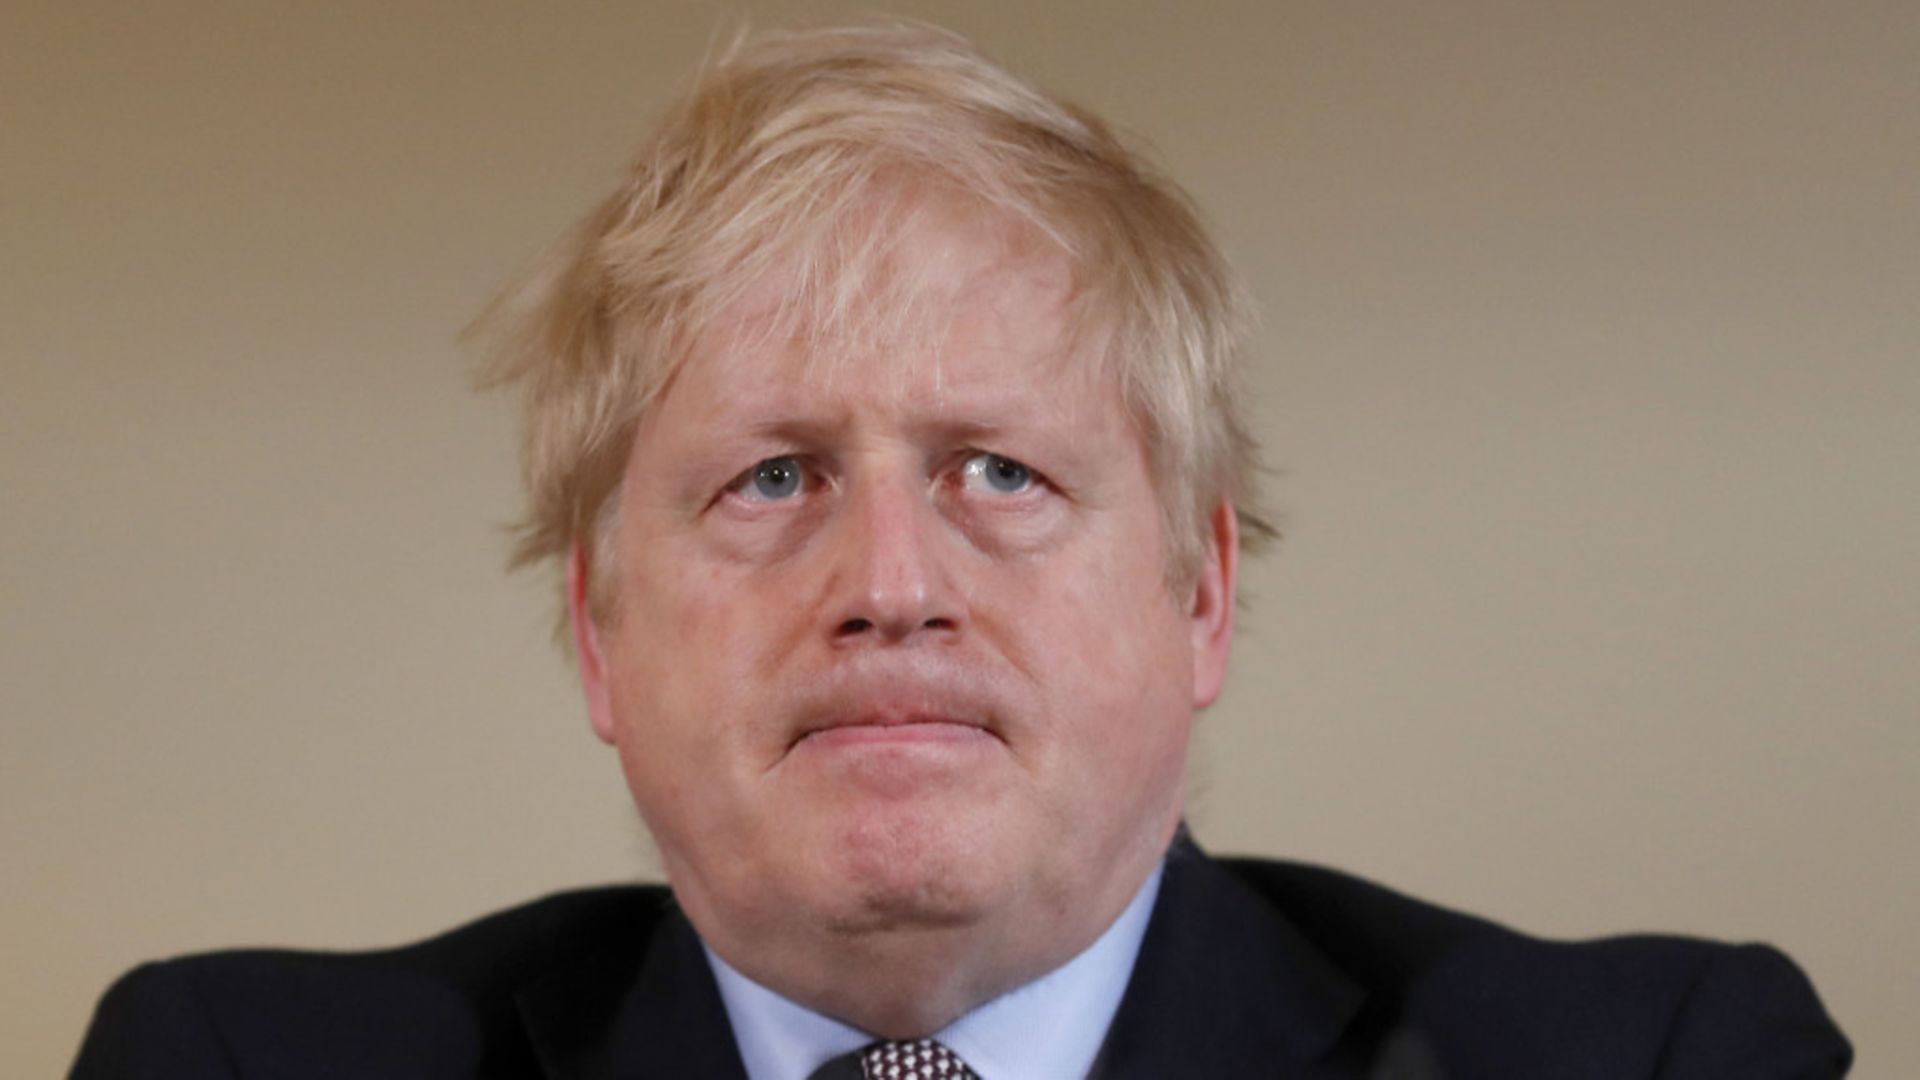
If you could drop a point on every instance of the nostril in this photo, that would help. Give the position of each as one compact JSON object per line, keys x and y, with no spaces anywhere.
{"x":939,"y":624}
{"x":855,"y":626}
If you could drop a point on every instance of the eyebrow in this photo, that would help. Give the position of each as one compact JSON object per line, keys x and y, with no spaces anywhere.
{"x":813,"y":430}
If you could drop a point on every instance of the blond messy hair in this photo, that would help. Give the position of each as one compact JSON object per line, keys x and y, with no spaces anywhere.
{"x":770,"y":162}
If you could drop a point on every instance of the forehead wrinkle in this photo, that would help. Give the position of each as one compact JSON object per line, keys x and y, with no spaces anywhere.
{"x":894,"y":269}
{"x":829,"y":410}
{"x":893,"y":312}
{"x":929,"y":349}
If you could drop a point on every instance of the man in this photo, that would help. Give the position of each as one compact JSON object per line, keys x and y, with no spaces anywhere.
{"x":884,"y":422}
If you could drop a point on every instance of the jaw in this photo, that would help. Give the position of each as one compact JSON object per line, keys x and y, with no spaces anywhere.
{"x":896,"y":866}
{"x":905,"y":932}
{"x":904,"y":946}
{"x":898,"y":884}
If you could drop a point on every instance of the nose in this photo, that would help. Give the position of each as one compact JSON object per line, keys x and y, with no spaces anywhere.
{"x":892,"y":566}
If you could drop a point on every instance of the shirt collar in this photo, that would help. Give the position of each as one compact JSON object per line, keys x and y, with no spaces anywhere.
{"x":1073,"y":1004}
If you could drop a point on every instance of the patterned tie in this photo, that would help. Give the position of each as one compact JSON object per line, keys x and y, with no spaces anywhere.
{"x":918,"y":1059}
{"x":921,"y":1059}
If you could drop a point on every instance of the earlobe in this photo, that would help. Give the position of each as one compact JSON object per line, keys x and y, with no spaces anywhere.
{"x":586,"y":645}
{"x":1213,"y":603}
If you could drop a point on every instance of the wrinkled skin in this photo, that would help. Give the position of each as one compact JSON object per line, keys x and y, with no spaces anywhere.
{"x":893,"y":667}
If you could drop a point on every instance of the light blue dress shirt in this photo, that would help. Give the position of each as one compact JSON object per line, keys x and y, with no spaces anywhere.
{"x":1049,"y":1029}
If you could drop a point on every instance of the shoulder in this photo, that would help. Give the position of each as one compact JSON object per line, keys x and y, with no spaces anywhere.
{"x":1482,"y":997}
{"x":440,"y":1007}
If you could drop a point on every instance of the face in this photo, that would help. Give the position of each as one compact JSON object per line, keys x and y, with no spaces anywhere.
{"x":892,"y":646}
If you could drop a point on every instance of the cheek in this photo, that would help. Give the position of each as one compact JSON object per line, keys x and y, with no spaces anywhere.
{"x":1129,"y":624}
{"x":1110,"y":751}
{"x":675,"y":646}
{"x":678,"y":610}
{"x":683,"y":703}
{"x":1113,"y":654}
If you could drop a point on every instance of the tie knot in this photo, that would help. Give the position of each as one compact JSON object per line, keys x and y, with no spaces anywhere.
{"x":918,"y":1059}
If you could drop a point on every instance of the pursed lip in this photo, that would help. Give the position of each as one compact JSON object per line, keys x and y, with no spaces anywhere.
{"x":896,"y":727}
{"x":898,"y":699}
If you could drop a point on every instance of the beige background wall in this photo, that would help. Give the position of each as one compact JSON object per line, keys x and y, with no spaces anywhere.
{"x":1591,"y":367}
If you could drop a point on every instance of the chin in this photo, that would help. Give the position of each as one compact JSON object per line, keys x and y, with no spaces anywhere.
{"x":882,"y":875}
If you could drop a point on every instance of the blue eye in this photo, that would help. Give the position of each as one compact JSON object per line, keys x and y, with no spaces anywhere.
{"x":774,"y":478}
{"x":991,"y":472}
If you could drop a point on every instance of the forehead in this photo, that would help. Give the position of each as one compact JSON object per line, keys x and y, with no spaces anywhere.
{"x":931,"y":302}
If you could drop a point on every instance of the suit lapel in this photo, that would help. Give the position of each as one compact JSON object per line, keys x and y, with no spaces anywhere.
{"x":599,"y":1020}
{"x":1225,"y":986}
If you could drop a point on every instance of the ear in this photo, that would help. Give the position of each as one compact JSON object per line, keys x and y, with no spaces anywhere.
{"x":1211,"y":616}
{"x":586,"y":645}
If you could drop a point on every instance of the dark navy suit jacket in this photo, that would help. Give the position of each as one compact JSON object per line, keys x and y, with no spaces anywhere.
{"x":1248,"y":969}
